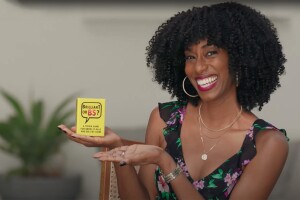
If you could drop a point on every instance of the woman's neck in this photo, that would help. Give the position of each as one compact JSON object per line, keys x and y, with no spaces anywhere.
{"x":218,"y":114}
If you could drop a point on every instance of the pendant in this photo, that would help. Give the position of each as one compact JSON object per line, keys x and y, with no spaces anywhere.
{"x":204,"y":156}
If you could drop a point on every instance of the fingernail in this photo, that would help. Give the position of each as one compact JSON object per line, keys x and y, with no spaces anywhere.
{"x":122,"y":163}
{"x":61,"y":130}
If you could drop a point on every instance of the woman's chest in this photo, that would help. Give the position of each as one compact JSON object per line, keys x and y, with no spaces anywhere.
{"x":203,"y":155}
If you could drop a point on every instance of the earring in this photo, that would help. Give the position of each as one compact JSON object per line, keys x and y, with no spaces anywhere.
{"x":237,"y":79}
{"x":185,"y":90}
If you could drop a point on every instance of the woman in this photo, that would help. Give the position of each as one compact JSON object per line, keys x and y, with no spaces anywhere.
{"x":220,"y":62}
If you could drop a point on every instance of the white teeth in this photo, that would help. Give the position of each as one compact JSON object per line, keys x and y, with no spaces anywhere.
{"x":207,"y":81}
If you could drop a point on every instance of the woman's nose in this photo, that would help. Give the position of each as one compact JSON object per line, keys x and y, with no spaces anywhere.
{"x":201,"y":66}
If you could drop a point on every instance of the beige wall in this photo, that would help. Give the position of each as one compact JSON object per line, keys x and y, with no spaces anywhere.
{"x":54,"y":50}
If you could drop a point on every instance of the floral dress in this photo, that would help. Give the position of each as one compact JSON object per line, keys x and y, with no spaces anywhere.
{"x":219,"y":184}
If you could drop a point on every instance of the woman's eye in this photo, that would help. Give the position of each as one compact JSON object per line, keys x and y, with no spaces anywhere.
{"x":211,"y":53}
{"x":189,"y":57}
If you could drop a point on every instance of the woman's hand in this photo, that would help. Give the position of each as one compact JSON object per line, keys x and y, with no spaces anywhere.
{"x":137,"y":154}
{"x":110,"y":139}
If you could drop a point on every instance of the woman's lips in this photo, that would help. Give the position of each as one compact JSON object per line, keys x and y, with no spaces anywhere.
{"x":207,"y":83}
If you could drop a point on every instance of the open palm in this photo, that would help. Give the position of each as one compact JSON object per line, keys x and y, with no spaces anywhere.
{"x":137,"y":154}
{"x":110,"y":140}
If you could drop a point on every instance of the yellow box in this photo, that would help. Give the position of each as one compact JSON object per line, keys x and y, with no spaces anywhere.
{"x":90,"y":116}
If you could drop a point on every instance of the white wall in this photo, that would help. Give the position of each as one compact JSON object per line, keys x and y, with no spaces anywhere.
{"x":54,"y":50}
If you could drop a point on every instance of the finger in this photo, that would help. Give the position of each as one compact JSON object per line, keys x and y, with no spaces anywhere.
{"x":107,"y":129}
{"x":65,"y":129}
{"x":115,"y":155}
{"x":80,"y":141}
{"x":119,"y":151}
{"x":98,"y":154}
{"x":73,"y":128}
{"x":90,"y":139}
{"x":61,"y":128}
{"x":85,"y":140}
{"x":109,"y":156}
{"x":112,"y":158}
{"x":122,"y":163}
{"x":112,"y":155}
{"x":68,"y":132}
{"x":123,"y":148}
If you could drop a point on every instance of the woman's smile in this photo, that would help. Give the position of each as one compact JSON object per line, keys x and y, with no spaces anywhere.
{"x":207,"y":83}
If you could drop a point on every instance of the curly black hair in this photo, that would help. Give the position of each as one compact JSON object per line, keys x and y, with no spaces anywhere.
{"x":249,"y":37}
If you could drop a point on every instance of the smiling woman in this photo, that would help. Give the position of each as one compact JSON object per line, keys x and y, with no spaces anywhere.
{"x":199,"y":58}
{"x":220,"y":62}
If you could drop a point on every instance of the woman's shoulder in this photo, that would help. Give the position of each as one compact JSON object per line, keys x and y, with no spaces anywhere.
{"x":262,"y":127}
{"x":171,"y":105}
{"x":154,"y":129}
{"x":269,"y":136}
{"x":171,"y":110}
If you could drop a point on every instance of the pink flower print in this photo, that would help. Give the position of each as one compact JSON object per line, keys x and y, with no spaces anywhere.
{"x":181,"y":114}
{"x":229,"y":189}
{"x":231,"y":181}
{"x":228,"y":179}
{"x":183,"y":167}
{"x":246,"y":162}
{"x":250,"y":133}
{"x":199,"y":184}
{"x":172,"y":119}
{"x":234,"y":177}
{"x":162,"y":185}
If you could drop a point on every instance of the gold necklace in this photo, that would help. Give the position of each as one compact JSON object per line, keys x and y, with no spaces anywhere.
{"x":204,"y":155}
{"x":226,"y":127}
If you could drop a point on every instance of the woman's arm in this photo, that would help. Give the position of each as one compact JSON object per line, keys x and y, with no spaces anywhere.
{"x":261,"y":174}
{"x":143,"y":185}
{"x":181,"y":185}
{"x":128,"y":182}
{"x":148,"y":156}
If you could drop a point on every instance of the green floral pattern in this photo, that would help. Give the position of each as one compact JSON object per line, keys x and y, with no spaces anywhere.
{"x":219,"y":184}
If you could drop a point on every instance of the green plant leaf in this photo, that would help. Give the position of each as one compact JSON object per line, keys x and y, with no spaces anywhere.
{"x":5,"y":149}
{"x":15,"y":105}
{"x":29,"y":138}
{"x":37,"y":112}
{"x":5,"y":130}
{"x":59,"y":111}
{"x":60,"y":108}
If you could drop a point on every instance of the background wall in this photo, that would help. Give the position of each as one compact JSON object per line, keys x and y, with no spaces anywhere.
{"x":49,"y":51}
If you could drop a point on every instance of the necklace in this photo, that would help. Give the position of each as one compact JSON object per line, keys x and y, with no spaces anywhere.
{"x":226,"y":127}
{"x":204,"y":155}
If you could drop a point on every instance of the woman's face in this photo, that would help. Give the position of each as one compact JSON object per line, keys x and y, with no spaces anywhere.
{"x":208,"y":70}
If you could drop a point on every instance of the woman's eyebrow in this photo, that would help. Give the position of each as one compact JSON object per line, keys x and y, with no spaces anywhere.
{"x":189,"y":49}
{"x":208,"y":45}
